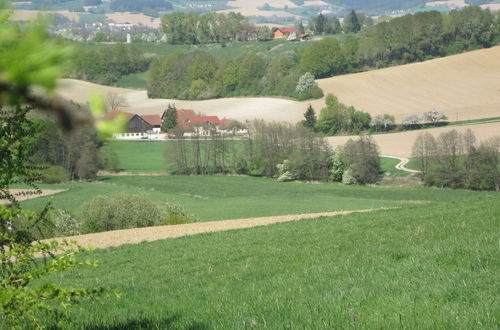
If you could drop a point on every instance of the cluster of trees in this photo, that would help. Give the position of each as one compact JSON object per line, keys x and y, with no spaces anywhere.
{"x":194,"y":28}
{"x":277,"y":150}
{"x":400,"y":40}
{"x":108,"y":64}
{"x":337,"y":118}
{"x":352,"y":23}
{"x":62,"y":157}
{"x":200,"y":75}
{"x":455,"y":160}
{"x":427,"y":35}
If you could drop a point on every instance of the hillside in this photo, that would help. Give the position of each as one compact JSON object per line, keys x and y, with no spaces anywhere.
{"x":400,"y":144}
{"x":464,"y":86}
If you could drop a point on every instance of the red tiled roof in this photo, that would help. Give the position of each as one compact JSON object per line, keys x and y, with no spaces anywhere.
{"x":183,"y":114}
{"x":224,"y":122}
{"x":153,"y":120}
{"x":203,"y":119}
{"x":286,"y":29}
{"x":114,"y":113}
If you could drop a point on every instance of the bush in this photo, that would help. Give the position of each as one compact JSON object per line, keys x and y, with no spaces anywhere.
{"x":348,"y":177}
{"x":65,"y":224}
{"x":55,"y":174}
{"x":119,"y":211}
{"x":175,"y":214}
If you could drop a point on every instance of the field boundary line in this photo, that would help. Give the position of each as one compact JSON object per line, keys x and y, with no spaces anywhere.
{"x":149,"y":234}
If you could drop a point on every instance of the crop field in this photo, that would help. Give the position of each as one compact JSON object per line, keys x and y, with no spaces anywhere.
{"x":424,"y":266}
{"x":400,"y":144}
{"x":234,"y":197}
{"x":462,"y":86}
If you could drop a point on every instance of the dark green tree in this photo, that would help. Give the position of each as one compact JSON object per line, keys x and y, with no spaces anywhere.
{"x":170,"y":120}
{"x":310,"y":118}
{"x":351,"y":23}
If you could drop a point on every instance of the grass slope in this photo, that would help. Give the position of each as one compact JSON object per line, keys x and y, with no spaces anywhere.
{"x":425,"y":267}
{"x":225,"y":197}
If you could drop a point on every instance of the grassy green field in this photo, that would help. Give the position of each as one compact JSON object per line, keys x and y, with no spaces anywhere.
{"x":231,"y":197}
{"x":142,"y":156}
{"x":152,"y":159}
{"x":134,"y":80}
{"x":421,"y":267}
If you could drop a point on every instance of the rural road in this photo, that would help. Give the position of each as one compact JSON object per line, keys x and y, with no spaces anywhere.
{"x":150,"y":234}
{"x":402,"y":163}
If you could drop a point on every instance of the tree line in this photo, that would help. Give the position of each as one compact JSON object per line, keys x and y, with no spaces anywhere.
{"x":456,"y":160}
{"x":200,"y":75}
{"x":195,"y":28}
{"x":276,"y":150}
{"x":107,"y":65}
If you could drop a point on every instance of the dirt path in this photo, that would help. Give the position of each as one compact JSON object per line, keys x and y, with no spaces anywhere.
{"x":150,"y":234}
{"x":402,"y":163}
{"x":25,"y":194}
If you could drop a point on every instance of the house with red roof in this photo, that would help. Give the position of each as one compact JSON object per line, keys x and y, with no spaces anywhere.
{"x":138,"y":126}
{"x":283,"y":32}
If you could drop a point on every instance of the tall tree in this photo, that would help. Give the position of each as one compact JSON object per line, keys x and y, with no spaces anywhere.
{"x":310,"y":118}
{"x":351,"y":23}
{"x":170,"y":120}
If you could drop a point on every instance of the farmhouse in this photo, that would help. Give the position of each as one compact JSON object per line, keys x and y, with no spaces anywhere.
{"x":138,"y":126}
{"x":283,"y":32}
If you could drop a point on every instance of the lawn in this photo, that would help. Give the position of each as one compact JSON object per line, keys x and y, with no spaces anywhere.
{"x":232,"y":197}
{"x":142,"y":156}
{"x":389,"y":165}
{"x":421,"y":267}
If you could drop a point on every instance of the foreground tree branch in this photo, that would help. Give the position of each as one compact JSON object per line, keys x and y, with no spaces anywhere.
{"x":67,"y":113}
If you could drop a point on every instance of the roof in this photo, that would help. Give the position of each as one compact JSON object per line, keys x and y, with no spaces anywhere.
{"x":185,"y":114}
{"x":204,"y":119}
{"x":153,"y":120}
{"x":115,"y":113}
{"x":286,"y":29}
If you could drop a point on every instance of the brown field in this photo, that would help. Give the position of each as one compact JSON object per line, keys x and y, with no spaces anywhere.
{"x":236,"y":108}
{"x":28,"y":15}
{"x":135,"y":19}
{"x":251,"y":7}
{"x":400,"y":144}
{"x":25,"y":194}
{"x":465,"y":86}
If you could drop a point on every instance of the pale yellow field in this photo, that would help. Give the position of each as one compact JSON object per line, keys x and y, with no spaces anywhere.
{"x":28,"y":15}
{"x":135,"y":19}
{"x":400,"y":144}
{"x":251,"y":7}
{"x":465,"y":86}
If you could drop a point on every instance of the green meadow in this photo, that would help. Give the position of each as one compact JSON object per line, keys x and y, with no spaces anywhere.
{"x":232,"y":197}
{"x":420,"y":267}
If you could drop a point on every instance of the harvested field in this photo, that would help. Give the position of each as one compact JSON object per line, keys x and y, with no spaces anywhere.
{"x":236,"y":108}
{"x":28,"y":15}
{"x":400,"y":144}
{"x":25,"y":194}
{"x":464,"y":87}
{"x":150,"y":234}
{"x":135,"y":19}
{"x":251,"y":7}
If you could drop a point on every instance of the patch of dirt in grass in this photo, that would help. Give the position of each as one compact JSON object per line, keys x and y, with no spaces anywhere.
{"x":149,"y":234}
{"x":25,"y":194}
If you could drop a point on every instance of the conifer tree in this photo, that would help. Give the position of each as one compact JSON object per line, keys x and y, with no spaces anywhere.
{"x":170,"y":120}
{"x":351,"y":23}
{"x":310,"y":118}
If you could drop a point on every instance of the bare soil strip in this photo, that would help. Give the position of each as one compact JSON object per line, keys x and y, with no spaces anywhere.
{"x":25,"y":194}
{"x":150,"y":234}
{"x":402,"y":163}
